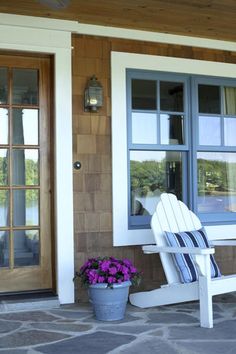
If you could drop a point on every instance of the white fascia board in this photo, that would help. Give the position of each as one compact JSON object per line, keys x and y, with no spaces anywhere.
{"x":38,"y":22}
{"x":113,"y":32}
{"x":157,"y":37}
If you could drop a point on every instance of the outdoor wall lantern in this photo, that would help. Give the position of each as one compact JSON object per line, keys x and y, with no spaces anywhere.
{"x":93,"y":95}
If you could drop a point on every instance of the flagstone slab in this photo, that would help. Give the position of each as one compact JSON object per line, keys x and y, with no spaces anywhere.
{"x":95,"y":343}
{"x":128,"y":318}
{"x":33,"y":316}
{"x":171,"y":318}
{"x":152,"y":346}
{"x":137,"y":329}
{"x":28,"y":338}
{"x":210,"y":347}
{"x":75,"y":315}
{"x":8,"y":326}
{"x":63,"y":327}
{"x":221,"y":331}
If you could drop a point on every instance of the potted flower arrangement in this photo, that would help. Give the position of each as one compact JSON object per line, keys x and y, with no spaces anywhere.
{"x":108,"y":280}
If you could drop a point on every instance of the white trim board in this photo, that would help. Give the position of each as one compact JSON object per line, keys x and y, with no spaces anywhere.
{"x":40,"y":40}
{"x":114,"y":32}
{"x":122,"y":236}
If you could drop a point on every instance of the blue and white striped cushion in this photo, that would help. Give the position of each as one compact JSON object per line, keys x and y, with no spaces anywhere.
{"x":184,"y":262}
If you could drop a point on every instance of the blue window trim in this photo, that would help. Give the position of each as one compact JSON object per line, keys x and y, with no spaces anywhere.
{"x":190,"y":146}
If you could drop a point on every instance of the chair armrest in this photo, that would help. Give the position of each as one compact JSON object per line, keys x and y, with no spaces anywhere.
{"x":224,"y":242}
{"x":166,"y":249}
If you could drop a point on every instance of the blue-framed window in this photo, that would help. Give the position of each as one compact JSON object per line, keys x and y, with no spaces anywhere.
{"x":181,"y":139}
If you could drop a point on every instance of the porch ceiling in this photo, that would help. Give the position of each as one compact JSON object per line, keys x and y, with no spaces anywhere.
{"x":203,"y":18}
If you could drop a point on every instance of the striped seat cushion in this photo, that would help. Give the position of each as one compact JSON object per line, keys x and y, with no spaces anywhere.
{"x":184,"y":262}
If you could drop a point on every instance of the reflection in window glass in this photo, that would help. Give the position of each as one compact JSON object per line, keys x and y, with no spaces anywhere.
{"x":4,"y":249}
{"x":209,"y":99}
{"x":144,"y":94}
{"x":209,"y":130}
{"x":25,"y":167}
{"x":3,"y":126}
{"x":25,"y":126}
{"x":151,"y":173}
{"x":3,"y":85}
{"x":230,"y":100}
{"x":26,"y":207}
{"x":26,"y":248}
{"x":3,"y":167}
{"x":171,"y":96}
{"x":144,"y":128}
{"x":4,"y":208}
{"x":230,"y":131}
{"x":216,"y":182}
{"x":25,"y":86}
{"x":171,"y":129}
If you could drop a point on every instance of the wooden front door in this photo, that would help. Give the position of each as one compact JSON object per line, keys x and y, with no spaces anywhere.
{"x":25,"y":174}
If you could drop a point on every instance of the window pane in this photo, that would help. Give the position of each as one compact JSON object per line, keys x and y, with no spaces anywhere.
{"x":209,"y":99}
{"x":144,"y":128}
{"x":144,"y":94}
{"x":25,"y":126}
{"x":216,"y":182}
{"x":3,"y":126}
{"x":26,"y":207}
{"x":171,"y":129}
{"x":4,"y":208}
{"x":26,"y":248}
{"x":151,"y":173}
{"x":4,"y":248}
{"x":171,"y":96}
{"x":209,"y":130}
{"x":230,"y":131}
{"x":25,"y":86}
{"x":230,"y":100}
{"x":3,"y":167}
{"x":25,"y":167}
{"x":3,"y":85}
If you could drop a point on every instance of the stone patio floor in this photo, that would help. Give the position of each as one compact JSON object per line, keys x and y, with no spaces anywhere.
{"x":161,"y":330}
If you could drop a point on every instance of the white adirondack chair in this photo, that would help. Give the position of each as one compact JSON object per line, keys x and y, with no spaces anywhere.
{"x":174,"y":216}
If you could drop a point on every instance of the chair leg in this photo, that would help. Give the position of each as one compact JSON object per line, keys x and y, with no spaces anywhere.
{"x":205,"y":298}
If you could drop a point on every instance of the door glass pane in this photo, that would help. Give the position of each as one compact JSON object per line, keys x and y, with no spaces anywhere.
{"x":230,"y":131}
{"x":216,"y":182}
{"x":25,"y":126}
{"x":4,"y":249}
{"x":171,"y":129}
{"x":4,"y":208}
{"x":25,"y":86}
{"x":26,"y":248}
{"x":209,"y":99}
{"x":144,"y":94}
{"x":209,"y":130}
{"x":3,"y":167}
{"x":171,"y":96}
{"x":3,"y":85}
{"x":3,"y":126}
{"x":26,"y":207}
{"x":230,"y":100}
{"x":25,"y":167}
{"x":152,"y":173}
{"x":144,"y":128}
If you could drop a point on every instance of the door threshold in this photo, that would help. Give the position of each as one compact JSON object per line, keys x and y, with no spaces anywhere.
{"x":28,"y":302}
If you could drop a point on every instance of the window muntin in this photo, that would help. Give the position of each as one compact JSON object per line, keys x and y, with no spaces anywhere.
{"x":201,"y":121}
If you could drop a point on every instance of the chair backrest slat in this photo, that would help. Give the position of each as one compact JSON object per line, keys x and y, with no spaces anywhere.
{"x":171,"y":215}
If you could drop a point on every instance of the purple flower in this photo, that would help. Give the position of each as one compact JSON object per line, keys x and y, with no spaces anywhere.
{"x":108,"y":270}
{"x":113,"y":270}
